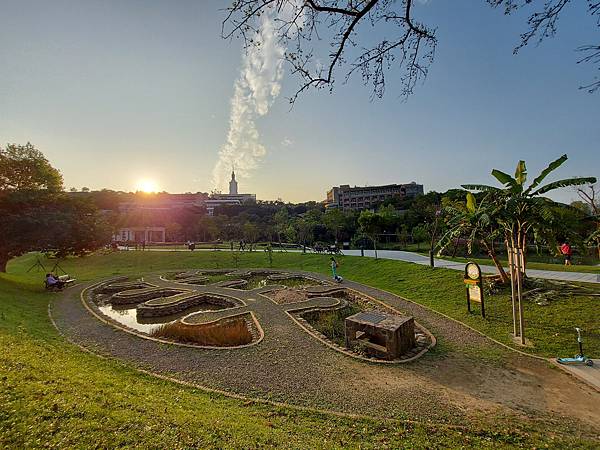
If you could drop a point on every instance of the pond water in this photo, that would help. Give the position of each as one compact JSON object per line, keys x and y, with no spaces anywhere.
{"x":128,"y":316}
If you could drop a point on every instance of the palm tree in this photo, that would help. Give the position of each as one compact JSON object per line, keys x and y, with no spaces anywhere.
{"x":522,"y":208}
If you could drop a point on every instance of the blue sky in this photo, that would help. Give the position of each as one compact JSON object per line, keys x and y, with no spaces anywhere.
{"x":115,"y":91}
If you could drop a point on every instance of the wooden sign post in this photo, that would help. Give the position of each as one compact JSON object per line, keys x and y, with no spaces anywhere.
{"x":474,"y":285}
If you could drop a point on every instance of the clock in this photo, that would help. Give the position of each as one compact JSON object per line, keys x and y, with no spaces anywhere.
{"x":473,"y":271}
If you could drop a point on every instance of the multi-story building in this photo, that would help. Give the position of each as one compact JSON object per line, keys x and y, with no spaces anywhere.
{"x":164,"y":202}
{"x":366,"y":197}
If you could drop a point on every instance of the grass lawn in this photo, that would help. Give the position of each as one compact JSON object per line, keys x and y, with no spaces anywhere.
{"x":54,"y":395}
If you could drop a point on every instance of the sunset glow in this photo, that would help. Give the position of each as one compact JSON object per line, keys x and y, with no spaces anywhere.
{"x":146,"y":185}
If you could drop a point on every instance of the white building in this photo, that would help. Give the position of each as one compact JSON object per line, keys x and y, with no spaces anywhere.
{"x":233,"y":198}
{"x":140,"y":234}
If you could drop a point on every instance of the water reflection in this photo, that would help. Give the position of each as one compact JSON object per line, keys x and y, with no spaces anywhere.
{"x":127,"y":315}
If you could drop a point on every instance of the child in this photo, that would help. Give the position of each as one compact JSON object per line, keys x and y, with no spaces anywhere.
{"x":334,"y":266}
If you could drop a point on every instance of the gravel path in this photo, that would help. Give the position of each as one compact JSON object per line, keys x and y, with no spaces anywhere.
{"x":291,"y":366}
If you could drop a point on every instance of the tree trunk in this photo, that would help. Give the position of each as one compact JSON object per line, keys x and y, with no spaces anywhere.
{"x":3,"y":262}
{"x":492,"y":254}
{"x":456,"y":242}
{"x":375,"y":246}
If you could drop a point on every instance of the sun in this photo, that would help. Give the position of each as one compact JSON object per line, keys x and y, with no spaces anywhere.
{"x":146,"y":185}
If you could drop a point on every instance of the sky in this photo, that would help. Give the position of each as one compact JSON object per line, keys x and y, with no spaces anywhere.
{"x":118,"y":91}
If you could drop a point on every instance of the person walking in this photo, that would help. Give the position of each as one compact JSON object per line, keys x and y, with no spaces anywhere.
{"x":567,"y":252}
{"x":334,"y":266}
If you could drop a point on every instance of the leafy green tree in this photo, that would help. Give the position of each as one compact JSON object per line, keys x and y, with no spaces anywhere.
{"x":251,"y":234}
{"x":23,"y":168}
{"x":371,"y":225}
{"x":36,"y":215}
{"x":304,"y":231}
{"x":420,"y":233}
{"x":281,"y":220}
{"x":521,"y":208}
{"x":334,"y":219}
{"x":478,"y":224}
{"x":591,"y":198}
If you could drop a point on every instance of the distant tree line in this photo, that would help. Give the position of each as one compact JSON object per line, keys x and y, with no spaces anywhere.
{"x":36,"y":214}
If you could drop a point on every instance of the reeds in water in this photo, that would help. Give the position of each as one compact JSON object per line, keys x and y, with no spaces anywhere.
{"x":228,"y":334}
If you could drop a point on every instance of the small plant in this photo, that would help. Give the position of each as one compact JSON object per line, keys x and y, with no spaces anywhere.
{"x":269,"y":251}
{"x":235,"y":257}
{"x":229,"y":334}
{"x":333,"y":323}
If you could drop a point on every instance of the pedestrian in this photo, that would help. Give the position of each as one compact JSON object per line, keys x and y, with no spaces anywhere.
{"x":334,"y":266}
{"x":567,"y":252}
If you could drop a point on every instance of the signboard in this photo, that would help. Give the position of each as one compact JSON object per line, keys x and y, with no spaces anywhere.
{"x":475,"y":293}
{"x":474,"y":284}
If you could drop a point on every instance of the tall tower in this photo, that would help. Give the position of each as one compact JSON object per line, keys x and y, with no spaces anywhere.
{"x":233,"y":187}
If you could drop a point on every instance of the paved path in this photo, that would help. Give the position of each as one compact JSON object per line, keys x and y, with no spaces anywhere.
{"x":424,"y":260}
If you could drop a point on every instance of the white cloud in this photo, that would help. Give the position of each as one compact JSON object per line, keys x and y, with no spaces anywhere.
{"x":257,"y":87}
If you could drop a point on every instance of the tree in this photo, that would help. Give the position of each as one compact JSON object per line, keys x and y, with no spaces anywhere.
{"x":281,"y":219}
{"x":371,"y":224}
{"x":251,"y":233}
{"x":304,"y":231}
{"x":520,"y":208}
{"x":24,"y":168}
{"x":478,"y":223}
{"x":591,"y":198}
{"x":371,"y":37}
{"x":36,"y":215}
{"x":334,"y":219}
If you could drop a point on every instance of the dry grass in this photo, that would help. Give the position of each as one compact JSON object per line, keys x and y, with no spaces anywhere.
{"x":227,"y":334}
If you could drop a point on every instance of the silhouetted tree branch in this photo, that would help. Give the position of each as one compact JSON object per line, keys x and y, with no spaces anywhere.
{"x":543,"y":23}
{"x":372,"y":37}
{"x":410,"y":48}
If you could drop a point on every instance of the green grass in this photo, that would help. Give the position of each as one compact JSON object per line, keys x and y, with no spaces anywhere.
{"x":54,"y":395}
{"x":550,"y":328}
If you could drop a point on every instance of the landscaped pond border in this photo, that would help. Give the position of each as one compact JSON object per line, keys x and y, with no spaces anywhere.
{"x":108,"y":321}
{"x":303,"y":324}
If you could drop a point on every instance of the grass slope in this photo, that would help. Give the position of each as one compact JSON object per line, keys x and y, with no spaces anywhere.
{"x":54,"y":395}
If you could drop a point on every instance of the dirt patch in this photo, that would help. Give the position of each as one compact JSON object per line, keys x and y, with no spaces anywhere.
{"x":287,"y":296}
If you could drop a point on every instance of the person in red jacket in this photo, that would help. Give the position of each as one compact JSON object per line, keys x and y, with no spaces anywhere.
{"x":567,"y":252}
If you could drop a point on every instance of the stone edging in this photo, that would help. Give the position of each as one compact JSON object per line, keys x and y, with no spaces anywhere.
{"x":324,"y":340}
{"x":315,"y":334}
{"x":165,"y":341}
{"x":233,"y":395}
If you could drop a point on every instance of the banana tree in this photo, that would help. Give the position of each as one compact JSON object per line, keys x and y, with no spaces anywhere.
{"x":478,"y":223}
{"x":521,"y":208}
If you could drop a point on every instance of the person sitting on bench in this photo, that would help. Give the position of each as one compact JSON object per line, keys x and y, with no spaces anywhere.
{"x":54,"y":282}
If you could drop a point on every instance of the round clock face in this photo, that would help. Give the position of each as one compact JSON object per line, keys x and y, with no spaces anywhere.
{"x":472,"y":271}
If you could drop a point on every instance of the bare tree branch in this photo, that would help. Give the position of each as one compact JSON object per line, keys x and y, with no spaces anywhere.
{"x":373,"y":38}
{"x":543,"y":24}
{"x":302,"y":22}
